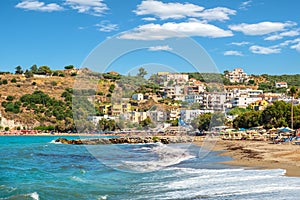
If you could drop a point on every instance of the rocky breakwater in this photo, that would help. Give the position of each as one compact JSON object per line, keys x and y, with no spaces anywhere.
{"x":126,"y":140}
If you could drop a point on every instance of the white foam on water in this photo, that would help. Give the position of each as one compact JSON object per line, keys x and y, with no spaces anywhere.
{"x":167,"y":156}
{"x":104,"y":197}
{"x":35,"y":196}
{"x":77,"y":179}
{"x":227,"y":183}
{"x":53,"y":142}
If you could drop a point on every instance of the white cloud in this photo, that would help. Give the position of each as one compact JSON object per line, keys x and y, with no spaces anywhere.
{"x":291,"y":33}
{"x":233,"y":53}
{"x":244,"y":5}
{"x":240,"y":43}
{"x":168,"y":10}
{"x":170,"y":29}
{"x":219,"y":13}
{"x":39,"y":6}
{"x":149,"y":19}
{"x":106,"y":26}
{"x":296,"y":46}
{"x":160,"y":48}
{"x":93,"y":7}
{"x":264,"y":50}
{"x":261,"y":28}
{"x":181,"y":10}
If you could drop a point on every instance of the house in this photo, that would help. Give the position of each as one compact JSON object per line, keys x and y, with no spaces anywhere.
{"x":173,"y":114}
{"x":135,"y":116}
{"x":113,"y":73}
{"x":237,"y":76}
{"x":259,"y":105}
{"x":189,"y":115}
{"x":138,"y":97}
{"x":281,"y":85}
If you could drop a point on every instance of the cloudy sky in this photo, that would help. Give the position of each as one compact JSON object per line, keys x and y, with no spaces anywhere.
{"x":261,"y":36}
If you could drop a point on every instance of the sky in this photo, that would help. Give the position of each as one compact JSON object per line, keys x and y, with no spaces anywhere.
{"x":260,"y":36}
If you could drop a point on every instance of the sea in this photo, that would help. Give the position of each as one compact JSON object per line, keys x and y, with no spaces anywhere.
{"x":35,"y":167}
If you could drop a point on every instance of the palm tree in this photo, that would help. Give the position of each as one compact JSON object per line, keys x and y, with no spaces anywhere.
{"x":293,"y":92}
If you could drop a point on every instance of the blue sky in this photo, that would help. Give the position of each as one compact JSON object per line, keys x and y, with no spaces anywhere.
{"x":261,"y":36}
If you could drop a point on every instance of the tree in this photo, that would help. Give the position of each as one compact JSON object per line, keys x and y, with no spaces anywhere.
{"x":19,"y":70}
{"x":44,"y":70}
{"x":146,"y":122}
{"x":69,"y":67}
{"x":293,"y":92}
{"x":202,"y":122}
{"x":28,"y":74}
{"x":248,"y":119}
{"x":142,"y":72}
{"x":34,"y":69}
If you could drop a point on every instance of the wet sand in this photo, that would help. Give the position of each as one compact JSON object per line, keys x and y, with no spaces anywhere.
{"x":261,"y":154}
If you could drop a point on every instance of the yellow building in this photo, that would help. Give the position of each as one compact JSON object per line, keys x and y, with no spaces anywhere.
{"x":259,"y":105}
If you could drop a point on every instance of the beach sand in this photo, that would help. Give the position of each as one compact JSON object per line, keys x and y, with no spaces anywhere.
{"x":261,"y":154}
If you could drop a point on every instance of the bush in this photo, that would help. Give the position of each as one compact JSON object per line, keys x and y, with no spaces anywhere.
{"x":18,"y":85}
{"x":69,"y":67}
{"x":10,"y":98}
{"x":6,"y":129}
{"x":4,"y":82}
{"x":74,"y":74}
{"x":14,"y":80}
{"x":55,"y":73}
{"x":53,"y":83}
{"x":33,"y":83}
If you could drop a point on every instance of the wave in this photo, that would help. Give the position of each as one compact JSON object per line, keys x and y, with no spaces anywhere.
{"x":53,"y":142}
{"x":34,"y":196}
{"x":104,"y":197}
{"x":165,"y":156}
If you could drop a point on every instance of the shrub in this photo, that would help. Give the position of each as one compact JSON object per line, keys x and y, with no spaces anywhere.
{"x":53,"y":83}
{"x":14,"y":80}
{"x":33,"y":83}
{"x":10,"y":98}
{"x":6,"y":129}
{"x":5,"y":82}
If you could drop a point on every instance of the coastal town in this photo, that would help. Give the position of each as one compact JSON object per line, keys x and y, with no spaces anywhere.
{"x":164,"y":103}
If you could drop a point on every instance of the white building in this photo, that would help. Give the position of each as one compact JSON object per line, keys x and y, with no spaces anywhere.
{"x":237,"y":76}
{"x":138,"y":97}
{"x":243,"y":98}
{"x":157,"y":115}
{"x":208,"y":100}
{"x":281,"y":85}
{"x":189,"y":115}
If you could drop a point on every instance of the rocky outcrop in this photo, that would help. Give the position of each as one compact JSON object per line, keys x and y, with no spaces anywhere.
{"x":126,"y":140}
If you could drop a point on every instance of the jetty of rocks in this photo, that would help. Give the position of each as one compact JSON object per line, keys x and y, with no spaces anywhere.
{"x":126,"y":140}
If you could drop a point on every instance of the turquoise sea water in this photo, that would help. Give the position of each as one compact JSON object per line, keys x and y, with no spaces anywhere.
{"x":37,"y":168}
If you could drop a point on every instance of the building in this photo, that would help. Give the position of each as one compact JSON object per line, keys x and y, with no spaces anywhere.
{"x":135,"y":116}
{"x":177,"y":77}
{"x":173,"y":92}
{"x":189,"y":115}
{"x":157,"y":115}
{"x":259,"y":105}
{"x":237,"y":76}
{"x":138,"y":97}
{"x":281,"y":85}
{"x":212,"y":101}
{"x":173,"y":114}
{"x":118,"y":109}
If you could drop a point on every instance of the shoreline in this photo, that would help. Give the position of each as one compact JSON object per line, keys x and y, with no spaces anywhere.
{"x":245,"y":153}
{"x":260,"y":155}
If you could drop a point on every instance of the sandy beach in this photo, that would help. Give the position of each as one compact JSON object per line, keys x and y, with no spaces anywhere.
{"x":261,"y":154}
